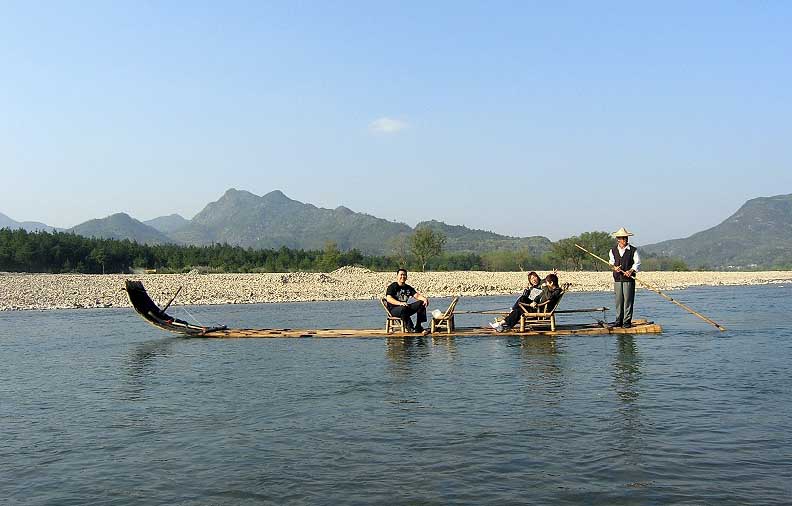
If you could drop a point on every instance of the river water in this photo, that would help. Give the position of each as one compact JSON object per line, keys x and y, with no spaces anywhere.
{"x":98,"y":407}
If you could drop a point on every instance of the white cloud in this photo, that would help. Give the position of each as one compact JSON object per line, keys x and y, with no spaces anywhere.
{"x":387,"y":125}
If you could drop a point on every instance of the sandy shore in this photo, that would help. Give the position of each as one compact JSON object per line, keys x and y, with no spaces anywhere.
{"x":62,"y":291}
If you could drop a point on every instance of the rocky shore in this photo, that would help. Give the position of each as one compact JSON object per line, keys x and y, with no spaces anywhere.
{"x":62,"y":291}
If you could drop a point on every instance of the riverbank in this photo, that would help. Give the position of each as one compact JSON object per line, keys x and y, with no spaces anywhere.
{"x":69,"y":291}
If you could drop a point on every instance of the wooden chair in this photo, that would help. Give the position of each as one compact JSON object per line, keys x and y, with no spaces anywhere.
{"x":539,"y":315}
{"x":392,"y":322}
{"x":446,"y":320}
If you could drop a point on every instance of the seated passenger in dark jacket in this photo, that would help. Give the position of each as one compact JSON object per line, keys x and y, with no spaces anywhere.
{"x":543,"y":302}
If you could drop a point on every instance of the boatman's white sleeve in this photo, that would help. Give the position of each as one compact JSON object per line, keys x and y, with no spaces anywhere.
{"x":636,"y":260}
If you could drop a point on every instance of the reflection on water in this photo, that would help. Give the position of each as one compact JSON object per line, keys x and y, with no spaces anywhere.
{"x":140,"y":363}
{"x":531,"y":346}
{"x":627,"y":370}
{"x":402,"y":352}
{"x":627,"y":385}
{"x":541,"y":365}
{"x":446,"y":343}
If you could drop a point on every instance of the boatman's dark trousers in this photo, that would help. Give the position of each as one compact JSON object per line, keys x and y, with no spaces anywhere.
{"x":625,"y":296}
{"x":405,"y":312}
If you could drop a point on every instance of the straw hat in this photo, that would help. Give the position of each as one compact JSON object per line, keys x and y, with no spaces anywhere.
{"x":622,"y":232}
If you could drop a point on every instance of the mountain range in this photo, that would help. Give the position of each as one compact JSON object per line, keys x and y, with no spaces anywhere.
{"x":30,"y":226}
{"x":121,"y":226}
{"x":758,"y":235}
{"x":168,"y":224}
{"x":274,"y":220}
{"x":241,"y":218}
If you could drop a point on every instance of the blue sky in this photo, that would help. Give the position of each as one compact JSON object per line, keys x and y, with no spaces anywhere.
{"x":523,"y":118}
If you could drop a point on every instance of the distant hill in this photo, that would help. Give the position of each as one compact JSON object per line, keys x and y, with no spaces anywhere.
{"x":274,"y":220}
{"x":758,"y":235}
{"x":168,"y":224}
{"x":30,"y":226}
{"x":121,"y":226}
{"x":463,"y":239}
{"x":240,"y":218}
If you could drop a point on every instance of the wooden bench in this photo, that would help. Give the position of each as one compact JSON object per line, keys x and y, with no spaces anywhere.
{"x":446,"y":320}
{"x":538,"y":315}
{"x":392,"y":322}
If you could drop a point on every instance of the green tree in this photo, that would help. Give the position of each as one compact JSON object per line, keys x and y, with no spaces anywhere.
{"x":330,"y":257}
{"x":565,"y":253}
{"x":400,"y":248}
{"x":23,"y":256}
{"x":426,"y":243}
{"x":662,"y":263}
{"x":598,"y":243}
{"x":99,"y":255}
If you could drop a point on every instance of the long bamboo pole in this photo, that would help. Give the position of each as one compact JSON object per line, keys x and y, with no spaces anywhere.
{"x":172,"y":299}
{"x":656,"y":290}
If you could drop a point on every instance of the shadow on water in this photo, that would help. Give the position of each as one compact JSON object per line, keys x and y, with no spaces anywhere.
{"x":404,"y":352}
{"x":541,"y":366}
{"x":140,"y":364}
{"x":446,"y":343}
{"x":532,"y":346}
{"x":407,"y":353}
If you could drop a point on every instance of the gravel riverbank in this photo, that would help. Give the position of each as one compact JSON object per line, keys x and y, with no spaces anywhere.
{"x":65,"y":291}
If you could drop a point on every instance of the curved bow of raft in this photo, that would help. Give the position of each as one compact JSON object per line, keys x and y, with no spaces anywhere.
{"x":152,"y":313}
{"x":156,"y":316}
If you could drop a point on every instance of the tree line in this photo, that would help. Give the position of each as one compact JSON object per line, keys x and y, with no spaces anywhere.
{"x":62,"y":252}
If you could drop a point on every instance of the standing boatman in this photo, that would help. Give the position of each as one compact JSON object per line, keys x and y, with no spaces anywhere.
{"x":625,"y":261}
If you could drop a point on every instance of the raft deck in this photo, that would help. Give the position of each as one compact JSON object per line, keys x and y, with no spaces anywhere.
{"x":639,"y":327}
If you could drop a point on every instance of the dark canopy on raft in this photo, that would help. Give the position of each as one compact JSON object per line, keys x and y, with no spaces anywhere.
{"x":149,"y":310}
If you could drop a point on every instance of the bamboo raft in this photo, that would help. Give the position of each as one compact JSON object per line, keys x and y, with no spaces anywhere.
{"x":152,"y":313}
{"x":639,"y":327}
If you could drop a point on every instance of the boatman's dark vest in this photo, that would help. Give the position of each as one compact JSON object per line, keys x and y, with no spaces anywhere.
{"x":625,"y":262}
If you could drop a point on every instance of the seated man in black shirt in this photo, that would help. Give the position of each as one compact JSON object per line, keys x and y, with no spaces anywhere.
{"x":397,"y":296}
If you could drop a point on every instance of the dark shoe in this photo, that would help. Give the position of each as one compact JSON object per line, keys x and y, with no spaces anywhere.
{"x":627,"y":326}
{"x":615,"y":324}
{"x":409,"y":329}
{"x":419,"y":329}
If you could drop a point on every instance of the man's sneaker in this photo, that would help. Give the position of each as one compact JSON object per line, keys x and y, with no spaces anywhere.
{"x":418,"y":329}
